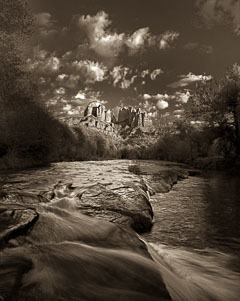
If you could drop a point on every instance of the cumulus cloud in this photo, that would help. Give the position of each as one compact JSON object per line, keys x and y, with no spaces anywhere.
{"x":140,"y":39}
{"x":182,"y":97}
{"x":144,"y":73}
{"x":100,"y":39}
{"x":201,"y":48}
{"x":220,"y":11}
{"x":185,"y":80}
{"x":155,"y":73}
{"x":162,"y":104}
{"x":43,"y":62}
{"x":122,"y":77}
{"x":147,"y":96}
{"x":167,"y":38}
{"x":89,"y":71}
{"x":153,"y":102}
{"x":80,"y":95}
{"x":77,"y":73}
{"x":110,"y":44}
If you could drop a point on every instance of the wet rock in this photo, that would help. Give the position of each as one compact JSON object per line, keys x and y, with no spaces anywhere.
{"x":22,"y":198}
{"x":126,"y":205}
{"x":15,"y":221}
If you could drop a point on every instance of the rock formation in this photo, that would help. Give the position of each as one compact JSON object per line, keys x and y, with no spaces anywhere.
{"x":110,"y":121}
{"x":60,"y":245}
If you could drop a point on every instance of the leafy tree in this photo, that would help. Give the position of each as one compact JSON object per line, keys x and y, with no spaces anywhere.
{"x":216,"y":106}
{"x":26,"y":129}
{"x":15,"y":30}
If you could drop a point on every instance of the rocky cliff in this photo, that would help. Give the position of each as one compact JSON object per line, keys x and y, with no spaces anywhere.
{"x":112,"y":121}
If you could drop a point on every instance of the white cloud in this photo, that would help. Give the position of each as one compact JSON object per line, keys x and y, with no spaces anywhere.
{"x":185,"y":80}
{"x":159,"y":101}
{"x":147,"y":96}
{"x":167,"y":38}
{"x":162,"y":104}
{"x":182,"y":97}
{"x":43,"y":62}
{"x":110,"y":44}
{"x":144,"y":73}
{"x":85,"y":71}
{"x":80,"y":95}
{"x":101,"y":40}
{"x":122,"y":77}
{"x":140,"y":39}
{"x":155,"y":73}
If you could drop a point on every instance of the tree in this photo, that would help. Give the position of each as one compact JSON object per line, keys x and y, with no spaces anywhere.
{"x":15,"y":29}
{"x":216,"y":106}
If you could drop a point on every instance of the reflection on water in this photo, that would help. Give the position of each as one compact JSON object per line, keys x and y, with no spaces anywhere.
{"x":199,"y":212}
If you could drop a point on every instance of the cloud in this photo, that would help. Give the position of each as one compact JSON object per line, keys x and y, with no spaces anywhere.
{"x":147,"y":96}
{"x":153,"y":102}
{"x":182,"y":97}
{"x":100,"y":39}
{"x":144,"y":73}
{"x":155,"y":73}
{"x":89,"y":71}
{"x":167,"y":38}
{"x":162,"y":104}
{"x":43,"y":62}
{"x":185,"y":80}
{"x":110,"y":44}
{"x":201,"y":48}
{"x":139,"y":40}
{"x":220,"y":11}
{"x":80,"y":95}
{"x":45,"y":24}
{"x":122,"y":77}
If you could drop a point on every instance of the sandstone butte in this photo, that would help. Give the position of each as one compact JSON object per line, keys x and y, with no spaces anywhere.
{"x":111,"y":122}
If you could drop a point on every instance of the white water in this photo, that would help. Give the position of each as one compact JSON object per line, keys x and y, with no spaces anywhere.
{"x":197,"y":276}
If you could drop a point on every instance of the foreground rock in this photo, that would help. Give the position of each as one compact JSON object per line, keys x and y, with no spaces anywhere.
{"x":66,"y":255}
{"x":77,"y":241}
{"x":126,"y":205}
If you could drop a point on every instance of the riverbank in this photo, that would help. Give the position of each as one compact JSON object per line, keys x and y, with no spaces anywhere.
{"x":83,"y":223}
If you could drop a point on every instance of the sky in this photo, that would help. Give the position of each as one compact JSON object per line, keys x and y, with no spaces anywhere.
{"x":145,"y":53}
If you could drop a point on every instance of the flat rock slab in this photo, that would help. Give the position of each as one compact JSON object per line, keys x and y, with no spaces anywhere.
{"x":126,"y":205}
{"x":159,"y":177}
{"x":123,"y":205}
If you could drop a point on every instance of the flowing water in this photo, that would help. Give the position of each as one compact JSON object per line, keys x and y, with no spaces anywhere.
{"x":195,"y":241}
{"x":197,"y":237}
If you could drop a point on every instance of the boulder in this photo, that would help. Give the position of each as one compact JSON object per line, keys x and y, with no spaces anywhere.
{"x":126,"y":205}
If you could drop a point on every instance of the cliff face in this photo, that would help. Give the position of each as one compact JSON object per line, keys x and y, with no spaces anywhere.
{"x":96,"y":115}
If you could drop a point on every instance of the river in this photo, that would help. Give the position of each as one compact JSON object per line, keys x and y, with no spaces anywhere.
{"x":195,"y":240}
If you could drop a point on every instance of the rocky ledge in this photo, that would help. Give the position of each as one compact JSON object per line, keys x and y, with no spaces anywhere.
{"x":54,"y":233}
